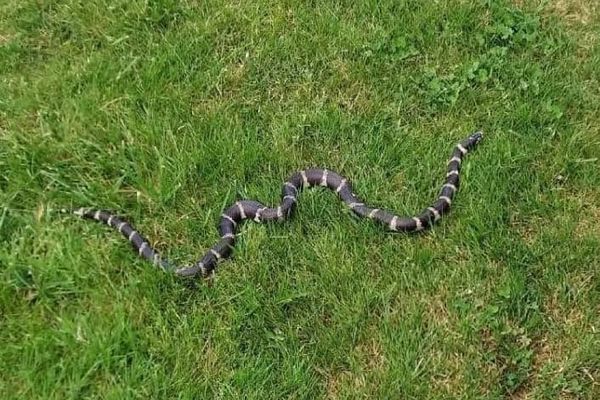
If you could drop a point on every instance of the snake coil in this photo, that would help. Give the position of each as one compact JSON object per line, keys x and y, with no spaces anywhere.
{"x":250,"y":209}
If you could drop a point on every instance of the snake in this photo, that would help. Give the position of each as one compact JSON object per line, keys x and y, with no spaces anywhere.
{"x":243,"y":210}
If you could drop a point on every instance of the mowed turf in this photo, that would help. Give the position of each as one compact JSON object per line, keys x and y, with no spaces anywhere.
{"x":166,"y":111}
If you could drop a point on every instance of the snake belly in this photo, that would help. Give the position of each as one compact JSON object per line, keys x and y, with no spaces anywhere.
{"x":253,"y":210}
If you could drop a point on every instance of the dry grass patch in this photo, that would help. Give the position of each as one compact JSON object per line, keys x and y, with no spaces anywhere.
{"x":554,"y":351}
{"x":371,"y":355}
{"x":590,"y":215}
{"x":529,"y":229}
{"x":371,"y":360}
{"x":337,"y":381}
{"x":450,"y":369}
{"x":575,"y":11}
{"x":586,"y":204}
{"x":5,"y":39}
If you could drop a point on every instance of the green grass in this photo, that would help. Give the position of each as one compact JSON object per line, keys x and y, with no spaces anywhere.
{"x":167,"y":111}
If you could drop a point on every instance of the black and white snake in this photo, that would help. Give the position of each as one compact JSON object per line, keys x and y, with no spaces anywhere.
{"x":250,"y":209}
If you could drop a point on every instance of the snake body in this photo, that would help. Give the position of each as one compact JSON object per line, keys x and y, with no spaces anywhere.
{"x":250,"y":209}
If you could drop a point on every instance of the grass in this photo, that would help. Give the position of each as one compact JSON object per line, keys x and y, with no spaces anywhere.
{"x":167,"y":111}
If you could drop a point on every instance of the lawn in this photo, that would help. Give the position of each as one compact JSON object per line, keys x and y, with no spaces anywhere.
{"x":167,"y":111}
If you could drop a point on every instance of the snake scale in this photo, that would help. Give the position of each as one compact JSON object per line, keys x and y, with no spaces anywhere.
{"x":250,"y":209}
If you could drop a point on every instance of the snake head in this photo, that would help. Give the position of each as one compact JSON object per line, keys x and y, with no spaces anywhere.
{"x":187,"y":271}
{"x":476,"y":137}
{"x":195,"y":270}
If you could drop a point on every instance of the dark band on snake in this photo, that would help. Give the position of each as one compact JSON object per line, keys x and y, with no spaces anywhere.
{"x":250,"y":209}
